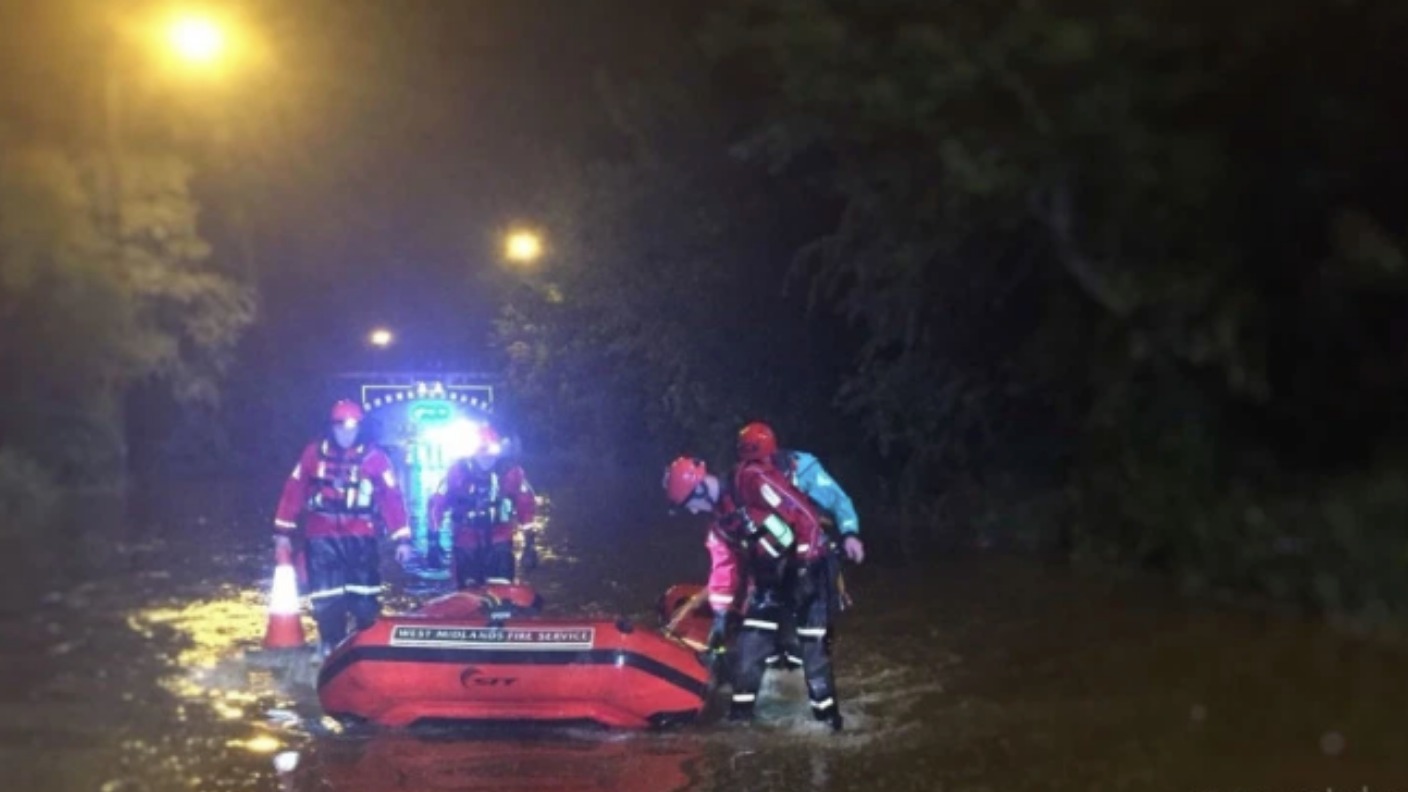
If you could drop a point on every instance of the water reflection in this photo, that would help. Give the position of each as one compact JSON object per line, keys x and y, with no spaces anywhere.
{"x":484,"y":761}
{"x":138,"y":668}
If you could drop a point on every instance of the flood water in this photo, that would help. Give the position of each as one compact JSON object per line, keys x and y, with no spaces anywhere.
{"x":129,"y":651}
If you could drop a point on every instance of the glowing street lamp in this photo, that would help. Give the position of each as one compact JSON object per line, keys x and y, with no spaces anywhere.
{"x":190,"y":42}
{"x":381,"y":338}
{"x":523,"y":247}
{"x":195,"y":39}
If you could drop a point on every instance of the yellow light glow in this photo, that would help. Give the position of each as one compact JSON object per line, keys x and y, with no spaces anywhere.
{"x":228,"y":712}
{"x":262,"y":744}
{"x":196,"y":39}
{"x":381,"y":337}
{"x":523,"y":247}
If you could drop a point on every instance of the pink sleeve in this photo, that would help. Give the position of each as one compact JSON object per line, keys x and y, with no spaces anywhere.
{"x":724,"y":574}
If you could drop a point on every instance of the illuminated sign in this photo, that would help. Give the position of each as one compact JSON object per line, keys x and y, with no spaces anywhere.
{"x":480,"y":397}
{"x":431,"y":412}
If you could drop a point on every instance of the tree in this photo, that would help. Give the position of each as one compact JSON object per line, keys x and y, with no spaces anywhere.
{"x":90,"y":311}
{"x":1124,"y":242}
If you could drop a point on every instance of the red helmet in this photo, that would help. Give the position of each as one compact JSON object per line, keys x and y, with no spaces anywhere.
{"x":346,"y":411}
{"x":756,"y":441}
{"x":683,"y":478}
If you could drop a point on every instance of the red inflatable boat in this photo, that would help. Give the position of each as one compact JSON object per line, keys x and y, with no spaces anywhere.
{"x":484,"y":657}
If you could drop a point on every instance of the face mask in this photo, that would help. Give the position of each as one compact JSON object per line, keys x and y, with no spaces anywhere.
{"x":344,"y":435}
{"x":701,"y":499}
{"x":698,"y":505}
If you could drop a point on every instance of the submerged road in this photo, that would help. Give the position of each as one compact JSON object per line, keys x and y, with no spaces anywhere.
{"x":129,"y":634}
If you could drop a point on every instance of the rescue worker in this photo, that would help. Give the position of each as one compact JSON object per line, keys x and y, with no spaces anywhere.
{"x":758,"y":443}
{"x":524,"y":501}
{"x":766,"y":544}
{"x":338,"y":485}
{"x":486,"y":500}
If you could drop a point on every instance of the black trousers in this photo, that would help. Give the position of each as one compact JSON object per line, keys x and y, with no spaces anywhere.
{"x":487,"y":563}
{"x":344,"y":578}
{"x":800,"y":598}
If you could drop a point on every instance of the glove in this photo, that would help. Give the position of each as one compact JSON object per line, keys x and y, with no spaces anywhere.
{"x":718,"y":633}
{"x":854,"y":547}
{"x":404,"y":553}
{"x":283,"y":550}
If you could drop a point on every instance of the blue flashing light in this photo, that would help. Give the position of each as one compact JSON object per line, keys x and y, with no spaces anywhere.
{"x":452,"y":440}
{"x":440,"y":433}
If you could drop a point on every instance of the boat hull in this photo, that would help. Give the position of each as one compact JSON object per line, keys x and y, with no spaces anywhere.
{"x":460,"y":666}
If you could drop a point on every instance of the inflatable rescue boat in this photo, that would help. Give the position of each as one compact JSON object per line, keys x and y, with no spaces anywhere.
{"x":487,"y":656}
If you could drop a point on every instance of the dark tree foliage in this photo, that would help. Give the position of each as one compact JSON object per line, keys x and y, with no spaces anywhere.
{"x":1148,"y":255}
{"x":93,"y":308}
{"x":1123,"y":280}
{"x":106,"y":282}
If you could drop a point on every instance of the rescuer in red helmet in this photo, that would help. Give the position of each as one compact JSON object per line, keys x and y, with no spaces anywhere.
{"x":758,"y":443}
{"x":767,"y":545}
{"x":487,"y":498}
{"x":338,"y":485}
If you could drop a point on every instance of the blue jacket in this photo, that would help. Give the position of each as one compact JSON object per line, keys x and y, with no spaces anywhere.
{"x":812,"y":479}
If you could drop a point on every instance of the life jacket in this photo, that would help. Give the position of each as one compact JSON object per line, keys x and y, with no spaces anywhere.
{"x":778,"y":519}
{"x":766,"y":542}
{"x":337,"y":484}
{"x":476,"y":499}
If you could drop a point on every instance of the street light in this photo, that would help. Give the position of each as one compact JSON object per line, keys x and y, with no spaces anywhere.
{"x":381,"y":338}
{"x":523,"y":247}
{"x":196,"y":39}
{"x":188,"y":39}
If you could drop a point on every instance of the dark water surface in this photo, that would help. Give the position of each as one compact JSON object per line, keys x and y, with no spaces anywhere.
{"x":129,"y":654}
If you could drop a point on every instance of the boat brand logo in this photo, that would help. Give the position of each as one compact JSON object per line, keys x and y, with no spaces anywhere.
{"x":532,"y":638}
{"x":472,"y":677}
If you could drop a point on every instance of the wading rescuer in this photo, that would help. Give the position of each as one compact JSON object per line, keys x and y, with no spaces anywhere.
{"x":339,"y":484}
{"x":758,"y":443}
{"x":487,"y":498}
{"x":766,"y":543}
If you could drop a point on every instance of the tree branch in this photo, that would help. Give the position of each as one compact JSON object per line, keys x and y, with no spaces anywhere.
{"x":1054,"y":210}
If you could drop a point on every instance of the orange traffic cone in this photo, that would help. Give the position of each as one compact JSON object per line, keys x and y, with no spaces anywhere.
{"x":285,"y":629}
